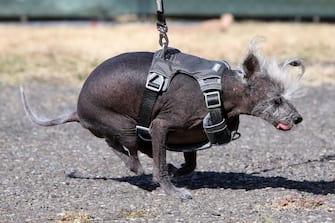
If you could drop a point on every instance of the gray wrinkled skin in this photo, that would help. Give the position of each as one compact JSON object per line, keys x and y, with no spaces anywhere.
{"x":277,"y":110}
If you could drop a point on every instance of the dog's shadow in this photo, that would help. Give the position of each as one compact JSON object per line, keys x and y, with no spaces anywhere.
{"x":209,"y":179}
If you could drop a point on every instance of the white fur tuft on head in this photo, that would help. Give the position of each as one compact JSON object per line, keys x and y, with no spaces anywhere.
{"x":279,"y":72}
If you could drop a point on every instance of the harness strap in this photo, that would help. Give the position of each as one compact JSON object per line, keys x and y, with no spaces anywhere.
{"x":149,"y":99}
{"x":155,"y":82}
{"x":214,"y":123}
{"x":153,"y":88}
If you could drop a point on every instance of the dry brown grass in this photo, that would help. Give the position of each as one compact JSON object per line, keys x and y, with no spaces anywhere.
{"x":67,"y":54}
{"x":294,"y":201}
{"x":72,"y":217}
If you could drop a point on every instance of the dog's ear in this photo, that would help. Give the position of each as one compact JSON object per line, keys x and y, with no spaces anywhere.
{"x":250,"y":65}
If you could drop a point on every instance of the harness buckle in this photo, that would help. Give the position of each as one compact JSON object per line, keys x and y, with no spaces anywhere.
{"x":155,"y":82}
{"x":216,"y":133}
{"x":212,"y":99}
{"x":143,"y":133}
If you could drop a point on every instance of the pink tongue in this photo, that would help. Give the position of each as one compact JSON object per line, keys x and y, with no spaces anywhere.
{"x":283,"y":127}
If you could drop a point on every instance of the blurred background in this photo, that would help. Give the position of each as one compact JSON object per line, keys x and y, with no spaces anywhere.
{"x":60,"y":42}
{"x":309,"y":10}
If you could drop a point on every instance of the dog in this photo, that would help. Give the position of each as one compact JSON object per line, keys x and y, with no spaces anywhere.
{"x":110,"y":99}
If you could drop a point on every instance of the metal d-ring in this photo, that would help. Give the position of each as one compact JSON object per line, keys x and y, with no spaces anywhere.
{"x":163,"y":42}
{"x":163,"y":39}
{"x":236,"y":135}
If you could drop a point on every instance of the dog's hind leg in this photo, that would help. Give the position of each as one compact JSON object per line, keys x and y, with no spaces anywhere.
{"x":129,"y":157}
{"x":188,"y":167}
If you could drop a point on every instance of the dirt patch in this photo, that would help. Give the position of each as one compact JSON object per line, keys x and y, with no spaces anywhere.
{"x":298,"y":201}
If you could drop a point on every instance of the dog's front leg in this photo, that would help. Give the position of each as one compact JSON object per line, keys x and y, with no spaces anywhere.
{"x":159,"y":129}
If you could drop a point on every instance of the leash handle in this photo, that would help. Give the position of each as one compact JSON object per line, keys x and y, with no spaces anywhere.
{"x":161,"y":25}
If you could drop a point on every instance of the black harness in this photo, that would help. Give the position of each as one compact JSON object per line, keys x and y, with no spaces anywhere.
{"x":165,"y":65}
{"x":169,"y":62}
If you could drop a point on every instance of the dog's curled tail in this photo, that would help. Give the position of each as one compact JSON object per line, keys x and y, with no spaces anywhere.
{"x":71,"y":117}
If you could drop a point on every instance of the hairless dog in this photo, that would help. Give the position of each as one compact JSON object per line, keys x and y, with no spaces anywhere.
{"x":110,"y":99}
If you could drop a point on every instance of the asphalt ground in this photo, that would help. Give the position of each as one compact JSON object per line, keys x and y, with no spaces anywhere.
{"x":65,"y":174}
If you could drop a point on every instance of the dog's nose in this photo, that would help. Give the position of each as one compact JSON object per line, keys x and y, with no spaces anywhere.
{"x":297,"y":119}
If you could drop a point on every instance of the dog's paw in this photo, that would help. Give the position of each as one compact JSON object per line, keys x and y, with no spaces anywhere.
{"x":181,"y":193}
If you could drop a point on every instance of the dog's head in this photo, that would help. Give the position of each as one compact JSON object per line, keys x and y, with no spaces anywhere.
{"x":269,"y":88}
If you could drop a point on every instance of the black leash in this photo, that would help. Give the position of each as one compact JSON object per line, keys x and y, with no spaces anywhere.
{"x":161,"y":25}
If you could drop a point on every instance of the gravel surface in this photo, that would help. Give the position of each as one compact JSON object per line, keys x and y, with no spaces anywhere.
{"x":65,"y":174}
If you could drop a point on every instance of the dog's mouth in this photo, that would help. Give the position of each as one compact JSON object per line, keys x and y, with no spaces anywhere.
{"x":283,"y":127}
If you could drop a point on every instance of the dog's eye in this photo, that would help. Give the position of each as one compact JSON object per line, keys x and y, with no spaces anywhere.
{"x":278,"y":101}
